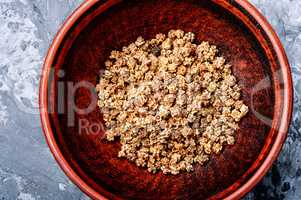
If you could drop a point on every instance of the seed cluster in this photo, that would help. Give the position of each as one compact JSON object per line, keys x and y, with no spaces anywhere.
{"x":171,"y":102}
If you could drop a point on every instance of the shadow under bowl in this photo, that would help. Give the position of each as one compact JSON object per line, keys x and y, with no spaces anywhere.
{"x":72,"y":67}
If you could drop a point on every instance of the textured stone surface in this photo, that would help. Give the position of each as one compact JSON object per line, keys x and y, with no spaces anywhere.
{"x":28,"y":170}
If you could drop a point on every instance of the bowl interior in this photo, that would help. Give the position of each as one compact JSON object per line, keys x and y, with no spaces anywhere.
{"x":81,"y":57}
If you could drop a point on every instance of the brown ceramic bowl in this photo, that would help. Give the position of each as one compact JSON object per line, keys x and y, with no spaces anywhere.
{"x":78,"y":52}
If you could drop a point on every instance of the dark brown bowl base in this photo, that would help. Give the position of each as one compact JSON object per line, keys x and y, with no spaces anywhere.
{"x":105,"y":27}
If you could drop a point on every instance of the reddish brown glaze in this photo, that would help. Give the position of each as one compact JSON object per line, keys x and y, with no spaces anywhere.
{"x":243,"y":37}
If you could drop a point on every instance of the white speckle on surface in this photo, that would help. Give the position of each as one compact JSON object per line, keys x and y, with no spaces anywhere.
{"x":62,"y":186}
{"x":24,"y":1}
{"x":25,"y":196}
{"x":3,"y":113}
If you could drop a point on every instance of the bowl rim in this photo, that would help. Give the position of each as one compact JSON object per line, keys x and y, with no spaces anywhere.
{"x":242,"y":189}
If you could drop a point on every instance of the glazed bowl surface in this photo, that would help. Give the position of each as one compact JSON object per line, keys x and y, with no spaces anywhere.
{"x":71,"y":119}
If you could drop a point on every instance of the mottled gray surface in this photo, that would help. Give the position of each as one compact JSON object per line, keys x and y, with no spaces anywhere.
{"x":28,"y":170}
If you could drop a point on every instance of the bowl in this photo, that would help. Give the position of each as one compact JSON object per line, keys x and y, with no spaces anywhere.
{"x":72,"y":122}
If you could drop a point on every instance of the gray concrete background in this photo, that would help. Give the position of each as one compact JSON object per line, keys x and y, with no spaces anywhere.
{"x":27,"y":168}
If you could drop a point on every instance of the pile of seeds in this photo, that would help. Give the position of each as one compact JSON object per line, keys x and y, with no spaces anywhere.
{"x":171,"y":102}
